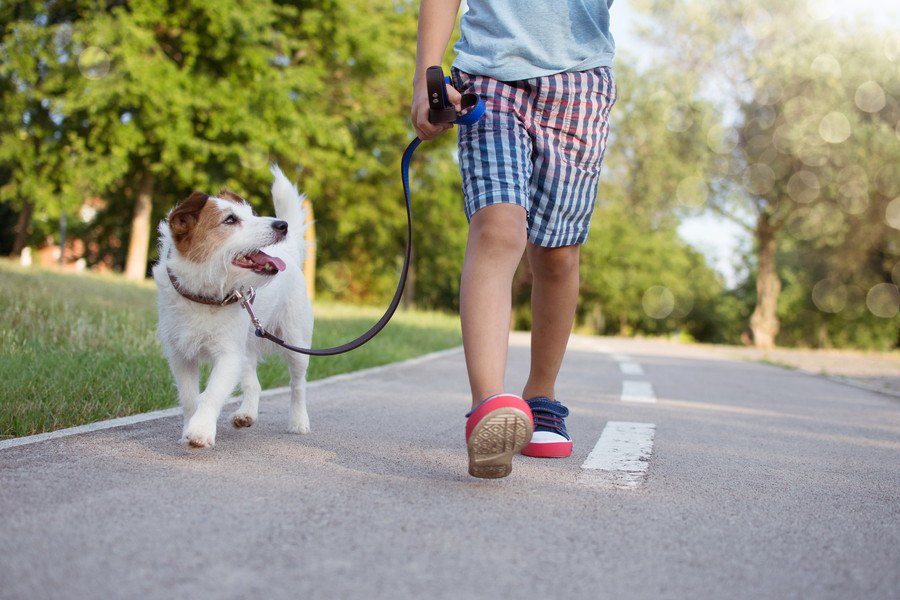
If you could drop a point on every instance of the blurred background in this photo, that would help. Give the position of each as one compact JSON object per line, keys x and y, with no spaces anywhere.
{"x":751,"y":189}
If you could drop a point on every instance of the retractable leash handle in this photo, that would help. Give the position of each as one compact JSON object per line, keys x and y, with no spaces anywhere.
{"x":440,"y":111}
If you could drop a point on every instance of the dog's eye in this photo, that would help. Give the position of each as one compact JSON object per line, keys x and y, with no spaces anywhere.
{"x":230,"y":220}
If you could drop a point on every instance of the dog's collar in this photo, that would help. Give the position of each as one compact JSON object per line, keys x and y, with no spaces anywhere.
{"x":235,"y":296}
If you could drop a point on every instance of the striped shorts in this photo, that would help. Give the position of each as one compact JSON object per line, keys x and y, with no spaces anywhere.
{"x":540,"y":145}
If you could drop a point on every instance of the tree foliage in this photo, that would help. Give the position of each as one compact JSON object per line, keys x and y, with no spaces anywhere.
{"x":805,"y":146}
{"x":116,"y":107}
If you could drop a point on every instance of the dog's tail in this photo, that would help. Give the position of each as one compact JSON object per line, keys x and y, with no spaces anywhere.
{"x":288,"y":203}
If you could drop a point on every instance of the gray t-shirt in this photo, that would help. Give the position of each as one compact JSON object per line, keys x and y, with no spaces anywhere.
{"x":511,"y":40}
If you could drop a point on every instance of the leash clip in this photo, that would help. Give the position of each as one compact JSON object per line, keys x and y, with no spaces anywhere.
{"x":246,"y":300}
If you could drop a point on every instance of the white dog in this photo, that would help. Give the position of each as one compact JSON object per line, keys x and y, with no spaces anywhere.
{"x":210,"y":248}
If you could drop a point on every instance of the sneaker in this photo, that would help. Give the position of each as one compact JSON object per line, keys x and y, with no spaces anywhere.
{"x":550,"y":439}
{"x":497,"y":429}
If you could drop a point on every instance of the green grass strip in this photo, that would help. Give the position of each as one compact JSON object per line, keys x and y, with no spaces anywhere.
{"x":75,"y":349}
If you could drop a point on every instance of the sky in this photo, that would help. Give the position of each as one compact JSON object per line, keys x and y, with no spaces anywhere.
{"x":720,"y":240}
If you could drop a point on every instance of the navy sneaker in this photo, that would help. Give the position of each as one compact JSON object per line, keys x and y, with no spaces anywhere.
{"x":550,"y":438}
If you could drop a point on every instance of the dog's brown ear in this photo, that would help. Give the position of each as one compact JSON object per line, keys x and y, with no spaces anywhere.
{"x":229,"y":195}
{"x":185,"y":216}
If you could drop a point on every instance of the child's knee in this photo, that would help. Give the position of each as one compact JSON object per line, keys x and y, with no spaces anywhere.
{"x":499,"y":228}
{"x":554,"y":263}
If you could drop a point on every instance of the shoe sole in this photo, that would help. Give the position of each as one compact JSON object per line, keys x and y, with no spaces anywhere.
{"x":494,"y":441}
{"x":548,"y":450}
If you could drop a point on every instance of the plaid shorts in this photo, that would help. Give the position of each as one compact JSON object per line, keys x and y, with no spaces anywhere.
{"x":540,"y":145}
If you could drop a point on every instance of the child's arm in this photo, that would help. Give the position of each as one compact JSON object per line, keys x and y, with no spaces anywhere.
{"x":436,"y":21}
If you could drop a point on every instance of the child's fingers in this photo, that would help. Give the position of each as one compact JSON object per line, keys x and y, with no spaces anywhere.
{"x":454,"y":97}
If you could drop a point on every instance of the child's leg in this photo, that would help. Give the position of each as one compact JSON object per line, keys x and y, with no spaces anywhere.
{"x":554,"y":296}
{"x":494,"y":248}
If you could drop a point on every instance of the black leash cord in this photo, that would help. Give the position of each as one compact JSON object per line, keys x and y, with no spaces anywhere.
{"x":395,"y":302}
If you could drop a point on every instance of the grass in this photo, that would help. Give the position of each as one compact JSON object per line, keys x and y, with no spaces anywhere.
{"x":76,"y":349}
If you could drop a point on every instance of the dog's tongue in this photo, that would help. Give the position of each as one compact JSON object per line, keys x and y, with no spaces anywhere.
{"x":261,"y":259}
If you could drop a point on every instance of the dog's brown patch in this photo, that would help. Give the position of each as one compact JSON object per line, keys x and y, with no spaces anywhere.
{"x":183,"y":219}
{"x":227,"y":194}
{"x":195,"y":226}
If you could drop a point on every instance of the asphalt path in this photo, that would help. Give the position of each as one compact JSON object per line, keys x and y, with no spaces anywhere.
{"x":762,"y":483}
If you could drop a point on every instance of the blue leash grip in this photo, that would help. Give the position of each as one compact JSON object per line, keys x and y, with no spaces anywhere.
{"x":441,"y":110}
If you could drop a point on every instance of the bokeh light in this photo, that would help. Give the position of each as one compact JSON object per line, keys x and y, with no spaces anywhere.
{"x":803,"y":187}
{"x":757,"y":22}
{"x":765,"y":117}
{"x":827,"y":66}
{"x":854,"y":190}
{"x":684,"y":304}
{"x":835,"y":127}
{"x":759,"y":179}
{"x":692,"y":191}
{"x":883,"y":300}
{"x":784,"y":138}
{"x":769,"y":93}
{"x":722,"y":140}
{"x":892,"y":213}
{"x":94,"y":62}
{"x":679,"y":118}
{"x":658,"y":302}
{"x":829,"y":296}
{"x":870,"y":97}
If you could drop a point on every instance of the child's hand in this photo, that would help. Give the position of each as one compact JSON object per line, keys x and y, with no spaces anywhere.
{"x":425,"y":129}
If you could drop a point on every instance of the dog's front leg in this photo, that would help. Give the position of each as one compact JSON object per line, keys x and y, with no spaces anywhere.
{"x":247,"y":413}
{"x":297,"y":364}
{"x":187,"y":378}
{"x":201,"y":429}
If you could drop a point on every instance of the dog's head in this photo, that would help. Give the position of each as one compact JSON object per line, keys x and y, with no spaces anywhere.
{"x":223,"y":230}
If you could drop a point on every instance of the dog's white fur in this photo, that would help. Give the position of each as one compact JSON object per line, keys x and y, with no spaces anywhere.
{"x":191,"y":332}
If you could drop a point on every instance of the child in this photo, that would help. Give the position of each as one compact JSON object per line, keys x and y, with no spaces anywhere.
{"x":530,"y":169}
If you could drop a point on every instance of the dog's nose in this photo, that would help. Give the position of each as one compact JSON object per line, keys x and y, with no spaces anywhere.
{"x":280,"y":227}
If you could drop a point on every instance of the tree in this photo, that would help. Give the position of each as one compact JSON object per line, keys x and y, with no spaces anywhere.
{"x":35,"y":71}
{"x":790,"y":129}
{"x":637,"y":274}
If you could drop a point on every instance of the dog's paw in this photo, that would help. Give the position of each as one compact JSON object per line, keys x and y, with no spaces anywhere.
{"x":196,"y":439}
{"x":301,"y":426}
{"x":242,"y":419}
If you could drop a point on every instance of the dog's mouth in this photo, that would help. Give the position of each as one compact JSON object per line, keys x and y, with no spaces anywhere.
{"x":259,"y":262}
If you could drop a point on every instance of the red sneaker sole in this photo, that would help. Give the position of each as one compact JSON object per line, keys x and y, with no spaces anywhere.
{"x":501,"y":428}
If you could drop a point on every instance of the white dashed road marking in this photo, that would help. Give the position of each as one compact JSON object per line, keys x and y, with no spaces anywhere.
{"x":638,"y":391}
{"x":631,"y":368}
{"x":621,"y":457}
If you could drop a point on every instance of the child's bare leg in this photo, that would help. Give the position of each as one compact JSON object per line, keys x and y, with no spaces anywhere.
{"x":554,"y":297}
{"x":494,"y":248}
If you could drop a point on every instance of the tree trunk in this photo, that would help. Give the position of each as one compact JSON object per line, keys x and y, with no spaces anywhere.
{"x":22,"y":226}
{"x":764,"y":321}
{"x":138,"y":246}
{"x":309,"y":262}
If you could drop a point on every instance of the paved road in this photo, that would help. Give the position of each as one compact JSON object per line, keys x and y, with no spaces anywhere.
{"x":762,"y":483}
